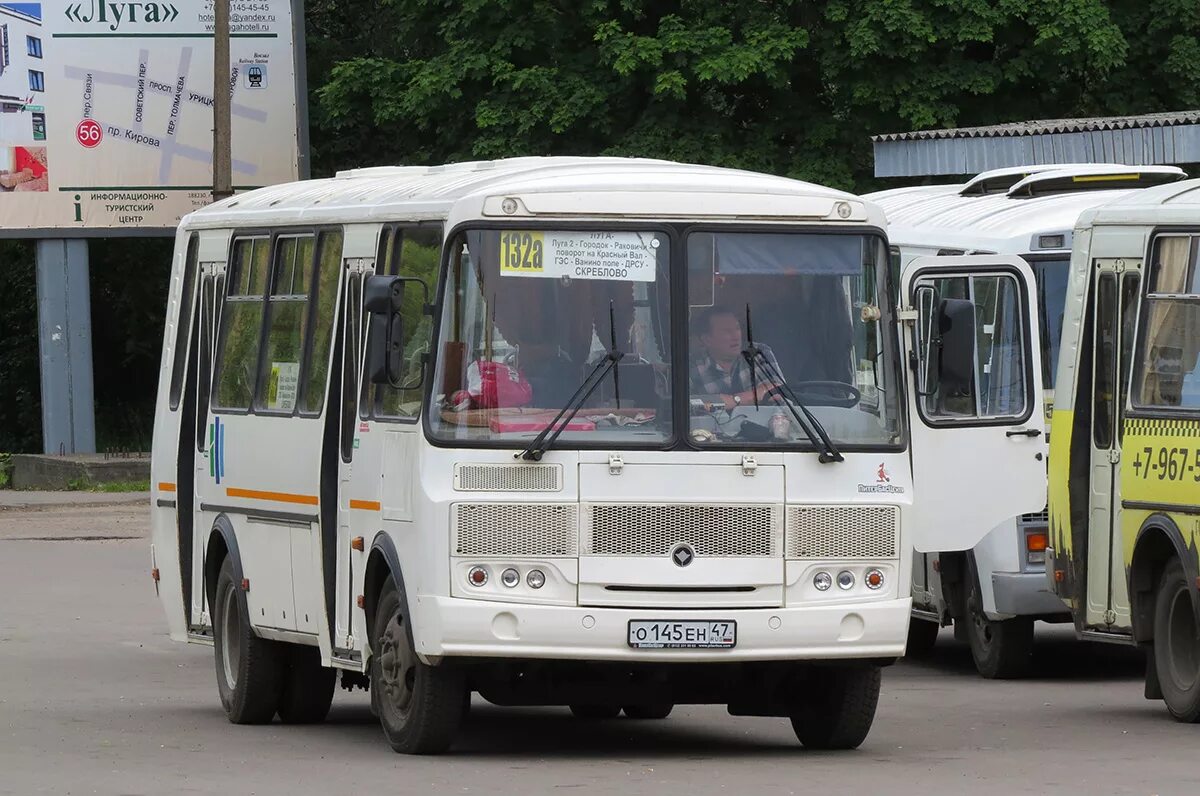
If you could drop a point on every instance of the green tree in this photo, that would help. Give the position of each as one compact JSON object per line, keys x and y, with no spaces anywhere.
{"x":789,"y":87}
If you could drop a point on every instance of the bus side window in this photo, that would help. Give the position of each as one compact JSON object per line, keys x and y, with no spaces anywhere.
{"x":351,"y":362}
{"x":287,"y":319}
{"x":1106,"y":360}
{"x":241,"y":324}
{"x":321,"y":308}
{"x":1168,"y":373}
{"x":991,"y":309}
{"x":211,"y":287}
{"x":183,"y":320}
{"x":410,"y":251}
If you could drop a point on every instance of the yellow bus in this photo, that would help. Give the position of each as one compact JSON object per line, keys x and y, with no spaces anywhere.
{"x":1125,"y":437}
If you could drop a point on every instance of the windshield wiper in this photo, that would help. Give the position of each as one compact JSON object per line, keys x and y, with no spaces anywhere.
{"x":813,"y":428}
{"x":545,"y":440}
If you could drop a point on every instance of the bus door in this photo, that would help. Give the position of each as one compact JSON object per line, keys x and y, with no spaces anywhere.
{"x":1115,"y":291}
{"x":380,"y":426}
{"x":975,"y":394}
{"x":356,"y":492}
{"x":182,"y":403}
{"x":211,"y":289}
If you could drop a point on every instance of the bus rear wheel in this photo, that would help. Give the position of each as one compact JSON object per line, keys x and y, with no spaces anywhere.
{"x":307,"y":688}
{"x":836,"y":707}
{"x":249,"y":676}
{"x":1176,"y":645}
{"x":420,"y":707}
{"x":922,"y":638}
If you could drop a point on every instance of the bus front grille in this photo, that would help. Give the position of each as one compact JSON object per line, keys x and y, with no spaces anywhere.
{"x":820,"y":532}
{"x":501,"y":530}
{"x":655,"y":529}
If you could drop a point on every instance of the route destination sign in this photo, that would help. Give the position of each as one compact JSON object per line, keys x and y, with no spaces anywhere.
{"x":106,"y":110}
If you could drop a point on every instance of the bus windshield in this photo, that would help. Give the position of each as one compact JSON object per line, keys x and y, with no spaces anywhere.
{"x":784,"y":323}
{"x":528,"y":314}
{"x":1051,"y":278}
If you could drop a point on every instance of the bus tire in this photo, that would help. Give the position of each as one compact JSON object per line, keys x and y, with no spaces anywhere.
{"x":837,"y":707}
{"x":1001,"y":649}
{"x":922,"y":638}
{"x":1176,"y":647}
{"x":650,"y":711}
{"x":307,"y":688}
{"x":249,"y":676}
{"x":595,"y":712}
{"x":420,"y":707}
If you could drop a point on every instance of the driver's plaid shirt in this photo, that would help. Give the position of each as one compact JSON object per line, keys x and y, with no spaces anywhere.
{"x":709,"y":379}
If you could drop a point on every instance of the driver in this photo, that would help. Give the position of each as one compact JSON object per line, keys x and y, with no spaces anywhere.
{"x":723,"y":372}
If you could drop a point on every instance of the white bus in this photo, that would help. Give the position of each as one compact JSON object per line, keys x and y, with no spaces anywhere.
{"x":994,"y":593}
{"x":611,"y":434}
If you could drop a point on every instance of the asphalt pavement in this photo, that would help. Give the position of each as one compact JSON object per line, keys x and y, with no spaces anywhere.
{"x":95,"y":699}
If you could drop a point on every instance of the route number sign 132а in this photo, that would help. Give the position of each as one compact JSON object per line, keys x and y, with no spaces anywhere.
{"x":621,"y":256}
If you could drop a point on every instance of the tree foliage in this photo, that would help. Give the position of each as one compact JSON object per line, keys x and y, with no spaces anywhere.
{"x":785,"y":86}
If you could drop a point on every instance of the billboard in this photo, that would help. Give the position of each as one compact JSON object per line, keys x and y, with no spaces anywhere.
{"x":106,"y":110}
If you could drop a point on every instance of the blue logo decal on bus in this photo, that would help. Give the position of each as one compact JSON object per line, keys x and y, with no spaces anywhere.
{"x":216,"y":449}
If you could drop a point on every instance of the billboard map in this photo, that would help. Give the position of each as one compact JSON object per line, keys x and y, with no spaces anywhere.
{"x":106,"y":110}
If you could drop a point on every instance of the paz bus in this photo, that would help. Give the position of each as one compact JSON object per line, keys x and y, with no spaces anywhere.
{"x":1125,"y":437}
{"x":603,"y":433}
{"x":995,"y":592}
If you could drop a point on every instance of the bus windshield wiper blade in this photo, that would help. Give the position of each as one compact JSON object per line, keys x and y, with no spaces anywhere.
{"x":545,"y":440}
{"x":813,"y":428}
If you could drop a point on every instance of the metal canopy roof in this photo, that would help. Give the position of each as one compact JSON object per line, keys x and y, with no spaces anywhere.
{"x":1156,"y":138}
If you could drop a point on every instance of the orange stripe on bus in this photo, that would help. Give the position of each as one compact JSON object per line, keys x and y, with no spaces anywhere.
{"x":365,"y":505}
{"x":166,"y":486}
{"x":278,"y":497}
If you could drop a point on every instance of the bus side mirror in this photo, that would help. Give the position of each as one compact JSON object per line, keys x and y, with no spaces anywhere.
{"x":956,"y":338}
{"x":383,"y":299}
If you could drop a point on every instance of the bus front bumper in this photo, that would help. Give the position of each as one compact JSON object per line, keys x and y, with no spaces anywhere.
{"x":447,"y":626}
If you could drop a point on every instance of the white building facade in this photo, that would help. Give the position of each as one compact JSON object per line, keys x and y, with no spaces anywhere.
{"x":22,"y":75}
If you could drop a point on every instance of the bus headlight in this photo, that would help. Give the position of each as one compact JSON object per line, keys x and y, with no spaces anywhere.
{"x":822,"y":581}
{"x":510,"y":578}
{"x":845,"y":580}
{"x":536,"y":579}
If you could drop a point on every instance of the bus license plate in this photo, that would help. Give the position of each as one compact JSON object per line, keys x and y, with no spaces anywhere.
{"x":692,"y":634}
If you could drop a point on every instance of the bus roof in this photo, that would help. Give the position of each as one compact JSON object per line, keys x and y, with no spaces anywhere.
{"x":1177,"y":203}
{"x":937,"y":216}
{"x":551,"y":186}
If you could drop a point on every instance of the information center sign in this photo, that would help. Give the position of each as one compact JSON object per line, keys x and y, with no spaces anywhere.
{"x":106,"y":110}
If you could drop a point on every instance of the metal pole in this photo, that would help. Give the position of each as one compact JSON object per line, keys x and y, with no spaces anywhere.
{"x":300,"y":68}
{"x":222,"y":135}
{"x":65,"y":347}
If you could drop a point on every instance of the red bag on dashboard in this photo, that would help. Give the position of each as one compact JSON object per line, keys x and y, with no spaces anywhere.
{"x":494,"y":385}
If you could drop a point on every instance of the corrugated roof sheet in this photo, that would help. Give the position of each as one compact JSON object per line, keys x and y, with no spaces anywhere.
{"x":1050,"y":126}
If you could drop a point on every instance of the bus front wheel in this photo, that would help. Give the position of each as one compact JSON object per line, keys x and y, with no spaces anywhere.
{"x":420,"y":707}
{"x":1176,"y":646}
{"x":1002,"y":649}
{"x":836,"y":707}
{"x":249,"y":676}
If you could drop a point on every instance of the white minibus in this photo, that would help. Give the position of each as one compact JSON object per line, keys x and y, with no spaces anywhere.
{"x":604,"y":433}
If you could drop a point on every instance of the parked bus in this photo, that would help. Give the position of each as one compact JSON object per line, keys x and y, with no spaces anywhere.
{"x":995,"y":592}
{"x":604,"y":433}
{"x":1125,"y":450}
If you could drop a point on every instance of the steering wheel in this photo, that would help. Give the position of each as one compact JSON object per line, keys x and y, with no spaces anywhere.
{"x":820,"y":393}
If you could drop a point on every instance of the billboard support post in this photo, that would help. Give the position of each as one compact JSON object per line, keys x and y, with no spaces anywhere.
{"x":65,"y":347}
{"x":222,"y":134}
